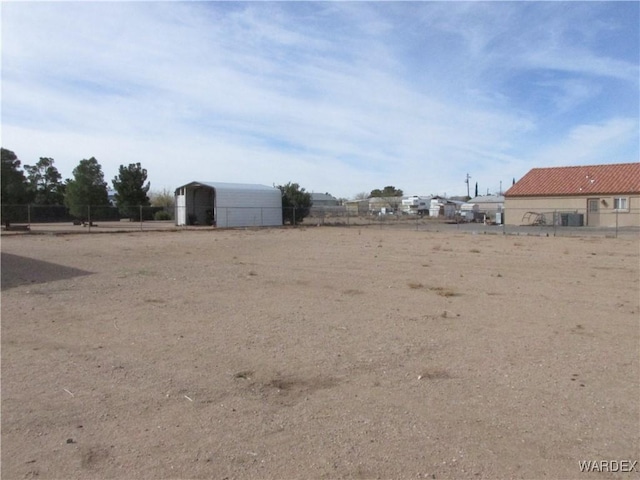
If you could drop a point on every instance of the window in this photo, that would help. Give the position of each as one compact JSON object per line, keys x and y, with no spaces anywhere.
{"x":620,"y":203}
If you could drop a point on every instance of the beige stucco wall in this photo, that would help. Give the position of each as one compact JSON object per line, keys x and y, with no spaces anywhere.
{"x":516,"y":209}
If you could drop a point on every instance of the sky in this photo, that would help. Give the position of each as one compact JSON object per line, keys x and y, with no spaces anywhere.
{"x":339,"y":97}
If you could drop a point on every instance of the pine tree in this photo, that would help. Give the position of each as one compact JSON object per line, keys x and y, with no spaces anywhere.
{"x":86,"y":190}
{"x":14,"y":192}
{"x":296,"y":203}
{"x":45,"y":182}
{"x":131,"y":191}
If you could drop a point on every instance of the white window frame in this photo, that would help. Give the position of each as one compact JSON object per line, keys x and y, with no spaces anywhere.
{"x":621,"y":204}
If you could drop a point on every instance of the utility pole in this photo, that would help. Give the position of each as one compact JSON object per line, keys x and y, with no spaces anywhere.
{"x":467,"y":182}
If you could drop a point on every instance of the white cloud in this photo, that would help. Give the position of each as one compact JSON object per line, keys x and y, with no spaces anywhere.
{"x":331,"y":95}
{"x":587,"y":144}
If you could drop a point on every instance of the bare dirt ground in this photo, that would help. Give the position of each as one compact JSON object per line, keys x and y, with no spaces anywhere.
{"x":318,"y":353}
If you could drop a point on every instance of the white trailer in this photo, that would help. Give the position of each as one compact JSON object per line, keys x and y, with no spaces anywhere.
{"x":469,"y":211}
{"x":415,"y":205}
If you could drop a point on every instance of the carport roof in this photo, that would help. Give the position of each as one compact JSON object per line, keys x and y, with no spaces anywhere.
{"x":617,"y":178}
{"x":229,"y":186}
{"x":487,"y":199}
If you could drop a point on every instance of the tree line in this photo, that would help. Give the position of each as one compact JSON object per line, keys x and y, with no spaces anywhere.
{"x":41,"y":184}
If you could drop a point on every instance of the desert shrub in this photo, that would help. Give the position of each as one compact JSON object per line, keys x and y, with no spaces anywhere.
{"x":162,"y":215}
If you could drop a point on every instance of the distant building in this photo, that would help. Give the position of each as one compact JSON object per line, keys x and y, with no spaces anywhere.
{"x":324,"y":200}
{"x":384,"y":205}
{"x":591,"y":195}
{"x":443,"y":207}
{"x":357,"y":207}
{"x":490,"y":206}
{"x":325,"y":204}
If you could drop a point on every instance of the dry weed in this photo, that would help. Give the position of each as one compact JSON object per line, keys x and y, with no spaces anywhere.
{"x":352,"y":291}
{"x":444,"y":291}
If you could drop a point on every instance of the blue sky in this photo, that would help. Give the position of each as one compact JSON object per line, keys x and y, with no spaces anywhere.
{"x":340,"y":97}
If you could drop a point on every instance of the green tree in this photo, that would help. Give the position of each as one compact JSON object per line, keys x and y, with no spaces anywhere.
{"x":86,"y":189}
{"x":388,"y":191}
{"x":14,"y":192}
{"x":296,"y":203}
{"x":45,"y":182}
{"x":131,"y":190}
{"x":392,"y":195}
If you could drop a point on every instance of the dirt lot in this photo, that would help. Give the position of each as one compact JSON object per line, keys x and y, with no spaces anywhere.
{"x":318,"y":353}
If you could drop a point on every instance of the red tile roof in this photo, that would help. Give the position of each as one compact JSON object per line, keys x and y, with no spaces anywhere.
{"x":620,"y":178}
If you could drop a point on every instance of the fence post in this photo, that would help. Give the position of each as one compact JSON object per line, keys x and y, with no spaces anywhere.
{"x":294,"y":216}
{"x":140,"y":217}
{"x":89,"y":216}
{"x":29,"y":216}
{"x":616,"y":223}
{"x":555,"y":222}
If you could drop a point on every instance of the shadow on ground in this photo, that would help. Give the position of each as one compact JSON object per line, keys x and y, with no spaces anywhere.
{"x":18,"y":270}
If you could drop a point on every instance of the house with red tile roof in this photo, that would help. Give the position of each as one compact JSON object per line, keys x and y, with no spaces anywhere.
{"x":590,"y":195}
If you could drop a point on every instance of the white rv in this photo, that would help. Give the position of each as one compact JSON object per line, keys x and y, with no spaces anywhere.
{"x":415,"y":205}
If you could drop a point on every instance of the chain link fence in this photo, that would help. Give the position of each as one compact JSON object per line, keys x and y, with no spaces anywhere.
{"x":59,"y":218}
{"x":556,"y":222}
{"x":559,"y":222}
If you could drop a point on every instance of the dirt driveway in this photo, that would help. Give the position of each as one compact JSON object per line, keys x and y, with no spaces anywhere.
{"x":318,"y":353}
